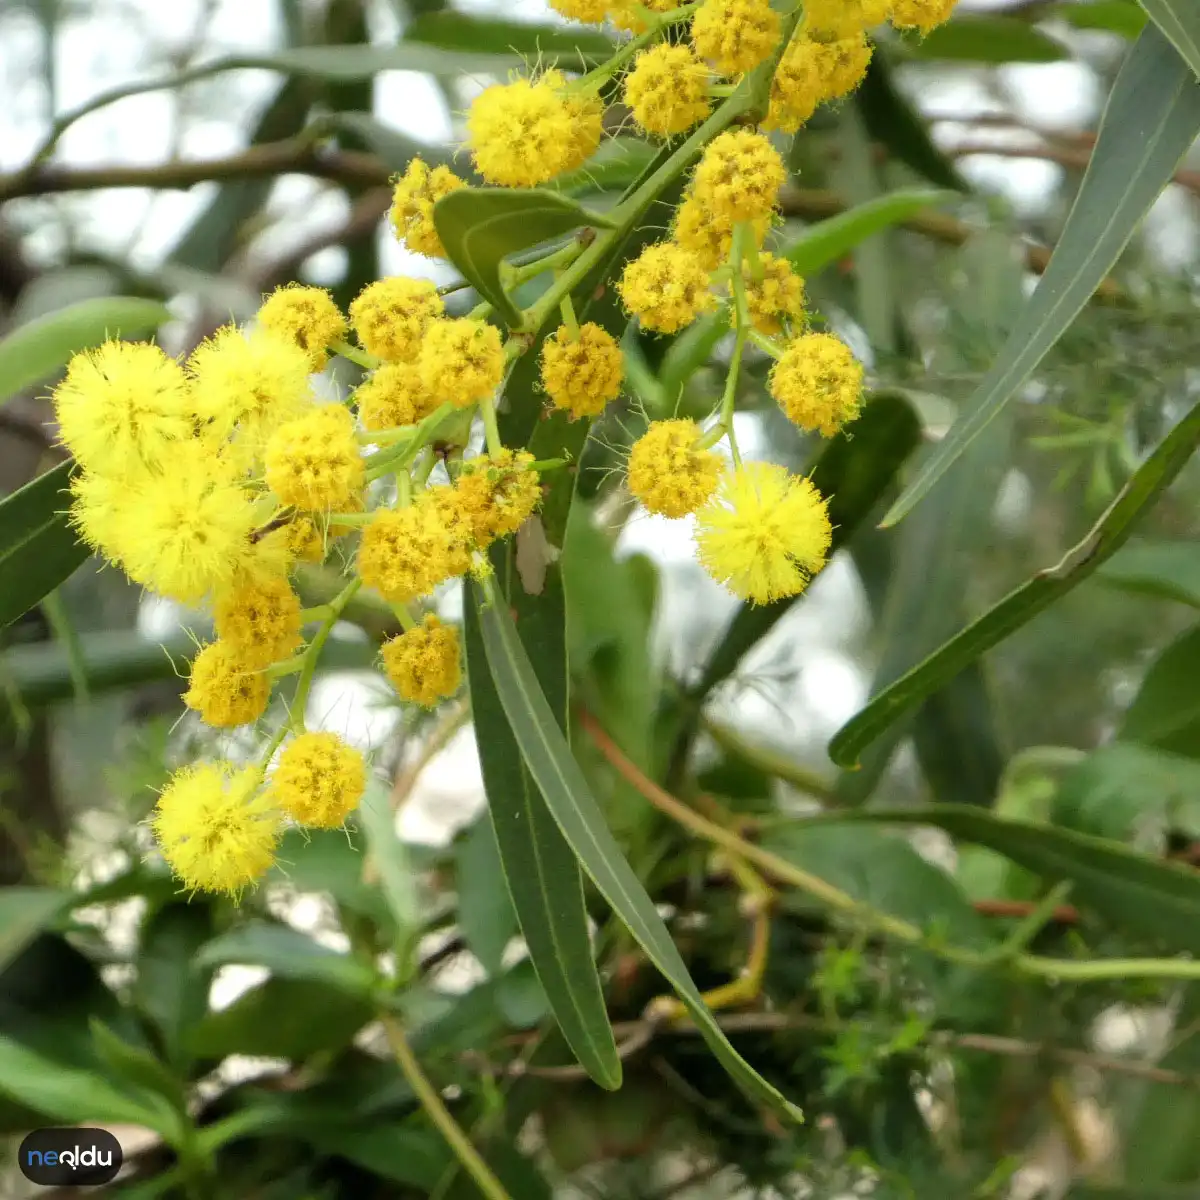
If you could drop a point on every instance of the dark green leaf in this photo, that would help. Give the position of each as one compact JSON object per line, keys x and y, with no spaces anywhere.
{"x":33,"y":353}
{"x":976,"y":37}
{"x":480,"y":227}
{"x":1180,"y":21}
{"x":1115,"y":16}
{"x":485,"y":912}
{"x":1025,"y":602}
{"x":38,"y":549}
{"x":574,"y":46}
{"x":1152,"y":118}
{"x":570,"y":801}
{"x":24,"y":913}
{"x":830,"y":240}
{"x":1166,"y":711}
{"x":1170,"y":570}
{"x":396,"y":1151}
{"x":138,"y":1068}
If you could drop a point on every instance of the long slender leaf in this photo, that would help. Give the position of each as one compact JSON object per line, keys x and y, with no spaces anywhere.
{"x":1025,"y":602}
{"x":578,"y":816}
{"x":1180,"y":21}
{"x":1166,"y":570}
{"x":1151,"y":119}
{"x":482,"y":35}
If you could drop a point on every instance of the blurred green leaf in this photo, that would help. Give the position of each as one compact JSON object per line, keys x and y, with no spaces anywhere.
{"x":1180,"y":21}
{"x":394,"y":1150}
{"x":1024,"y":603}
{"x":1151,"y":119}
{"x":520,"y":996}
{"x":480,"y":227}
{"x":615,"y":165}
{"x":24,"y":913}
{"x":390,"y":858}
{"x":394,"y":149}
{"x":1115,"y":16}
{"x":38,"y":548}
{"x":287,"y":953}
{"x":485,"y":912}
{"x":1170,"y":570}
{"x":345,"y":64}
{"x":569,"y":799}
{"x":979,"y":37}
{"x":138,"y":1068}
{"x":574,"y":46}
{"x":1166,"y":711}
{"x":35,"y":352}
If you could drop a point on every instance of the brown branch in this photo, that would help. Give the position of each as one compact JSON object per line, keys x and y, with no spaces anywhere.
{"x":1064,"y":914}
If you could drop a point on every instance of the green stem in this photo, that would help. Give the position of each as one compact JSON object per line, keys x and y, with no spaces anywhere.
{"x":567,"y":309}
{"x":491,"y":429}
{"x":657,"y":22}
{"x":356,"y":355}
{"x":765,"y":343}
{"x":354,"y":518}
{"x":392,"y":458}
{"x":404,"y":616}
{"x":555,"y":260}
{"x":470,"y":1158}
{"x":309,"y":670}
{"x":289,"y":666}
{"x":770,"y":763}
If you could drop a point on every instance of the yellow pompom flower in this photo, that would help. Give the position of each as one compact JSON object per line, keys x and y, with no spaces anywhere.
{"x":582,"y":374}
{"x":497,"y":493}
{"x":843,"y":18}
{"x":415,"y":194}
{"x":765,"y":533}
{"x":587,"y":12}
{"x":923,"y":15}
{"x":225,"y":689}
{"x":393,"y":396}
{"x":124,"y":407}
{"x":101,"y":512}
{"x":524,"y":133}
{"x":665,"y":287}
{"x":707,"y":236}
{"x":817,"y":382}
{"x":216,"y":833}
{"x":812,"y":71}
{"x":669,"y":471}
{"x":461,"y":361}
{"x":735,"y":35}
{"x":318,"y":780}
{"x":188,"y":531}
{"x":667,"y":89}
{"x":314,"y":463}
{"x":259,"y":618}
{"x":627,"y":15}
{"x":404,"y":553}
{"x":307,"y":317}
{"x":777,"y":294}
{"x":739,"y":175}
{"x":390,"y":316}
{"x":423,"y":663}
{"x":304,"y":539}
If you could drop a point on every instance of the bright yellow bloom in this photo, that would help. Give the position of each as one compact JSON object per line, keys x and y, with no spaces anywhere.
{"x":461,"y":361}
{"x":921,"y":14}
{"x":582,"y":374}
{"x":224,"y":688}
{"x":765,"y":533}
{"x":314,"y":462}
{"x":393,"y":396}
{"x":390,"y":316}
{"x":259,"y":618}
{"x":415,"y":194}
{"x":626,"y":14}
{"x":812,"y":71}
{"x":665,"y":287}
{"x":497,"y":493}
{"x":817,"y":382}
{"x":216,"y":834}
{"x":124,"y":407}
{"x":318,"y":780}
{"x":188,"y":532}
{"x":735,"y":35}
{"x":527,"y":132}
{"x":307,"y":317}
{"x":667,"y":89}
{"x":587,"y":12}
{"x":304,"y":539}
{"x":778,"y":294}
{"x":406,"y":552}
{"x":458,"y":528}
{"x":669,"y":472}
{"x":843,"y":18}
{"x":739,"y":175}
{"x":102,"y":511}
{"x":423,"y":663}
{"x":707,"y":236}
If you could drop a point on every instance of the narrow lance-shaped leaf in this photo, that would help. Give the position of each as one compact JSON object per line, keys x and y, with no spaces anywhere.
{"x":1180,"y":21}
{"x":579,"y":817}
{"x":1025,"y":602}
{"x":1151,"y":119}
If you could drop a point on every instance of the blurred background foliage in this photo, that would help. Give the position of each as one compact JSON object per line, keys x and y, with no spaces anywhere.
{"x":239,"y":1049}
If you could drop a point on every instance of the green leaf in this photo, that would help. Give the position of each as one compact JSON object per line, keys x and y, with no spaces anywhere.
{"x":137,"y":1067}
{"x":447,"y":30}
{"x":1166,"y":711}
{"x":391,"y":1150}
{"x":1123,"y":17}
{"x":520,"y":996}
{"x":830,"y":240}
{"x":347,"y":64}
{"x":287,"y":953}
{"x":38,"y":549}
{"x":24,"y":913}
{"x":1024,"y":603}
{"x":1180,"y":21}
{"x":570,"y":801}
{"x":1151,"y":119}
{"x":1169,"y":570}
{"x":485,"y":912}
{"x":480,"y":227}
{"x":974,"y":37}
{"x":1156,"y":899}
{"x":388,"y":852}
{"x":855,"y":472}
{"x":35,"y":352}
{"x":541,"y":871}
